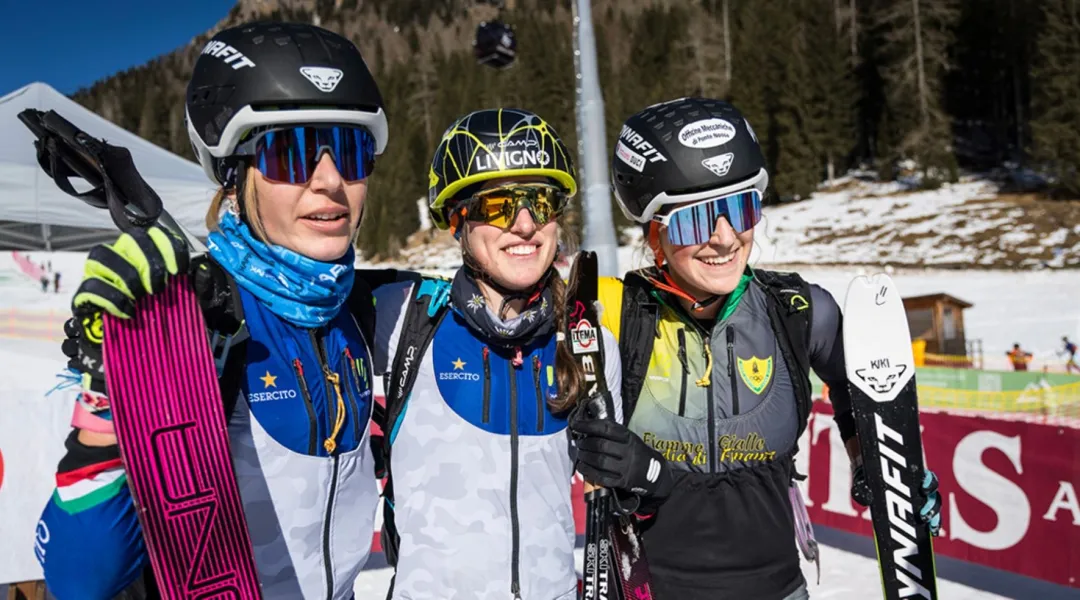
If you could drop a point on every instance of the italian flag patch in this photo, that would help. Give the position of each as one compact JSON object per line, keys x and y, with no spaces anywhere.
{"x":89,"y":486}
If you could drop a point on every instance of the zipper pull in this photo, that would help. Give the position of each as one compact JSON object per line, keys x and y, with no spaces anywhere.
{"x":515,"y":589}
{"x":331,"y":376}
{"x":330,"y":443}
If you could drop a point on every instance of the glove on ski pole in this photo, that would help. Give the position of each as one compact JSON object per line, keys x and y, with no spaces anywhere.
{"x":611,"y":456}
{"x":136,"y":264}
{"x":929,"y":513}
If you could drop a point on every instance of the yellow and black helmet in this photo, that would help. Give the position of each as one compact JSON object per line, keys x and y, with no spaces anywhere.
{"x":489,"y":144}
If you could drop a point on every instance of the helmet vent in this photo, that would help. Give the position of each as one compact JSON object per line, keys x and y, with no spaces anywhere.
{"x":258,"y":39}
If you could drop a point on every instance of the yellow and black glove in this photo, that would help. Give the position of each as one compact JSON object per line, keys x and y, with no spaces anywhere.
{"x":135,"y":265}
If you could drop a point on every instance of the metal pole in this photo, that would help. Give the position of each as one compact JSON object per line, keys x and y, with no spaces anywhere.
{"x":599,"y":231}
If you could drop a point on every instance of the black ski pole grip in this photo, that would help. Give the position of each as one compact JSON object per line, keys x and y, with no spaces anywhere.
{"x":68,"y":132}
{"x":32,"y":119}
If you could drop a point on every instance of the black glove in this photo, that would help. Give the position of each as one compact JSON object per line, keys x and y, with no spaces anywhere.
{"x":83,"y":349}
{"x":611,"y":456}
{"x":929,"y":512}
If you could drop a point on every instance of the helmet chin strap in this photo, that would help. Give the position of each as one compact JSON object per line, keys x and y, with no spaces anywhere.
{"x":669,"y":284}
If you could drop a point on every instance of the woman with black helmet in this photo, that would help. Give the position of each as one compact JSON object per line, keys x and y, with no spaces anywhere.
{"x":716,"y":360}
{"x":478,"y":382}
{"x":288,"y":120}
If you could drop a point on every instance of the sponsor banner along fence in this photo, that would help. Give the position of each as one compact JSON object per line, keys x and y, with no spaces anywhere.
{"x":1009,"y":490}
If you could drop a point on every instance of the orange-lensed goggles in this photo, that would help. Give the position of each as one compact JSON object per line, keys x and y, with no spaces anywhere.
{"x":500,"y":206}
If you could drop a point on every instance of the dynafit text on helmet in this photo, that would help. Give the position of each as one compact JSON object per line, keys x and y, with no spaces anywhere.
{"x":480,"y":381}
{"x":289,"y":121}
{"x":716,"y":357}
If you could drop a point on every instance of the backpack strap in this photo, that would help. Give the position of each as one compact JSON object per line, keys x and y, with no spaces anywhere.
{"x":791,"y":315}
{"x":637,"y":334}
{"x":423,"y":314}
{"x":361,"y":305}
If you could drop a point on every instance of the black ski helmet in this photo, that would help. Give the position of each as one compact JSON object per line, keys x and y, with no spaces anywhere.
{"x":267,"y":74}
{"x":684,"y":150}
{"x":493,"y":143}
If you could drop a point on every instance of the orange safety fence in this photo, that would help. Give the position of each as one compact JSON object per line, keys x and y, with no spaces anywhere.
{"x":35,"y":325}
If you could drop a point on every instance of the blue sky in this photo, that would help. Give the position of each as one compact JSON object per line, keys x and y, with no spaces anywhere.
{"x":73,"y":43}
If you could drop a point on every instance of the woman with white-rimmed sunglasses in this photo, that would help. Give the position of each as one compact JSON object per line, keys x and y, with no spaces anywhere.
{"x":716,"y":359}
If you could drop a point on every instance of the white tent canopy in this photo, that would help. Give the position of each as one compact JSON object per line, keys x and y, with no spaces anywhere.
{"x":36,"y":214}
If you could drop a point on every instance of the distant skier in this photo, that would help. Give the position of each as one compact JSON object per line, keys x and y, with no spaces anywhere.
{"x":1019,"y":358}
{"x":56,"y":282}
{"x":1070,"y":353}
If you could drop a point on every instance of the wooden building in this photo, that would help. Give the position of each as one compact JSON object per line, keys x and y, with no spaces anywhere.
{"x":939,"y":320}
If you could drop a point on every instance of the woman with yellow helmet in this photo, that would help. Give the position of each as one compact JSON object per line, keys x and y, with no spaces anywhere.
{"x":478,"y":383}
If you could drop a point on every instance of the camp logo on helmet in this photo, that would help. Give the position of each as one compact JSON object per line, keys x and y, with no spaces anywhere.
{"x":707,"y":133}
{"x":719,"y":164}
{"x":513,"y":158}
{"x":227,"y":53}
{"x":528,"y":143}
{"x":324,"y":78}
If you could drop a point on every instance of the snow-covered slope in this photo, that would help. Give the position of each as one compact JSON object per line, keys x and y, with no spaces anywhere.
{"x":962,"y":225}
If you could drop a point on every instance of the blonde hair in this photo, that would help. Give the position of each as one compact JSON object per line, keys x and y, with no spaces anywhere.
{"x":250,"y":208}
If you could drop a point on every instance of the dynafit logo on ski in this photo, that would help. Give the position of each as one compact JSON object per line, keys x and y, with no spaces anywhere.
{"x":881,"y":376}
{"x":902,"y":535}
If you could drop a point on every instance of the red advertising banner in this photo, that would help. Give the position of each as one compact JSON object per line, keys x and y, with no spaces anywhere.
{"x":1009,"y":490}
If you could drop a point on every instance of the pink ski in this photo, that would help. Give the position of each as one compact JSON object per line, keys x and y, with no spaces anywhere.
{"x":170,"y":421}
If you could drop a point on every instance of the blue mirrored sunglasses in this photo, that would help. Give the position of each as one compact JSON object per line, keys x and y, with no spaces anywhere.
{"x":694,"y":224}
{"x":290,"y":155}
